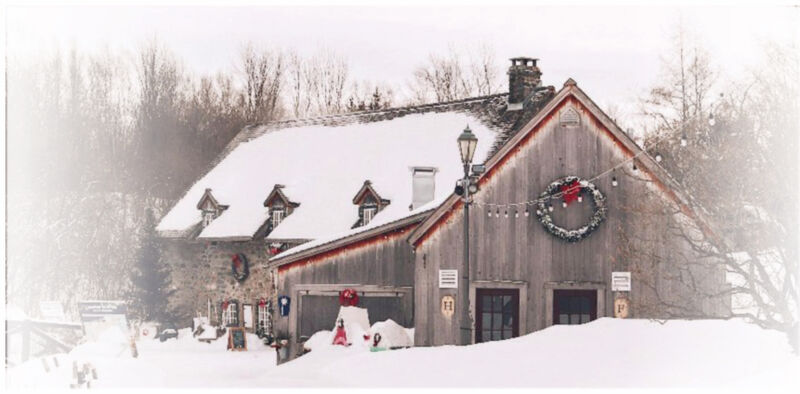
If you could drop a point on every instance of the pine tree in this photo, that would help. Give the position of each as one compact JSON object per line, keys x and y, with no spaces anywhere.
{"x":150,"y":278}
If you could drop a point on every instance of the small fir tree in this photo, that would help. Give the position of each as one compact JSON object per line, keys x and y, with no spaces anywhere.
{"x":150,"y":278}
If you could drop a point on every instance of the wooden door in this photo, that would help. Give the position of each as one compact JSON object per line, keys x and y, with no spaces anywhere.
{"x":497,"y":314}
{"x":574,"y":306}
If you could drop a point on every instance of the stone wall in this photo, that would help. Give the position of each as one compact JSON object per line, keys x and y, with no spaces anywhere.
{"x":201,"y":271}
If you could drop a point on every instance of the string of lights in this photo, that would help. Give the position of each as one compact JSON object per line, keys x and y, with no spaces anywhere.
{"x":571,"y":189}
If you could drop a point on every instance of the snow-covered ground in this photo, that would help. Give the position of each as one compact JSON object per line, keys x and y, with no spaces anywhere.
{"x":604,"y":353}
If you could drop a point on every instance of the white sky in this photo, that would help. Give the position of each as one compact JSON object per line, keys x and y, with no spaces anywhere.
{"x":612,"y":51}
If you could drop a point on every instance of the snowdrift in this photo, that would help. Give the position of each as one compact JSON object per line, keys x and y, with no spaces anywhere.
{"x":604,"y":353}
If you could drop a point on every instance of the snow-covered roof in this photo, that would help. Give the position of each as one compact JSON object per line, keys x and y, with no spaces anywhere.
{"x":323,"y":165}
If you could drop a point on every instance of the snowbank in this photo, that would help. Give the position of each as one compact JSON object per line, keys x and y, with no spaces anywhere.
{"x":392,"y":334}
{"x":604,"y":353}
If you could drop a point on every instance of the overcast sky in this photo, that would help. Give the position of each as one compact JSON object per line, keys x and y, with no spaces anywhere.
{"x":613,"y":52}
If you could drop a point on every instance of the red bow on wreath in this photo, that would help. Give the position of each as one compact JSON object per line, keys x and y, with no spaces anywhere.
{"x":237,"y":261}
{"x":571,"y":191}
{"x":348,"y":297}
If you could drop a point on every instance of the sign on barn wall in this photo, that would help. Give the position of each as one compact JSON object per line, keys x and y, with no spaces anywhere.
{"x":621,"y":281}
{"x":448,"y":306}
{"x":621,"y":307}
{"x":448,"y":279}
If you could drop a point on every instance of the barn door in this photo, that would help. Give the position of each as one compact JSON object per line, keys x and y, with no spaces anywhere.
{"x":498,"y":314}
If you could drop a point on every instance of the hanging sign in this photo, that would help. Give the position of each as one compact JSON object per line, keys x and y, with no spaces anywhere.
{"x":448,"y":306}
{"x":448,"y":279}
{"x":621,"y":307}
{"x":621,"y":281}
{"x":283,"y":305}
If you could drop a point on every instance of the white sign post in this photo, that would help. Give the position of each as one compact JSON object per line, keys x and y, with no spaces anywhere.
{"x":448,"y":279}
{"x":621,"y":281}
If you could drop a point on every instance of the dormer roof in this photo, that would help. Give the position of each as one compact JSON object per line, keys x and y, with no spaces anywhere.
{"x":277,"y":193}
{"x":368,"y":190}
{"x":209,"y":198}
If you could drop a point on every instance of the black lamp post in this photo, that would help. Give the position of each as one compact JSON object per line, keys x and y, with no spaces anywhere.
{"x":467,"y":142}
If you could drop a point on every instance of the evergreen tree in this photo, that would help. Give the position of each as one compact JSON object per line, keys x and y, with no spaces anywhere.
{"x":150,"y":278}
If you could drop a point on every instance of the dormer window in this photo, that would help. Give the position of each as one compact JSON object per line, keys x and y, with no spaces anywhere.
{"x":210,"y":208}
{"x":277,"y":214}
{"x":279,"y":206}
{"x":367,"y":213}
{"x":207,"y":218}
{"x":369,"y":204}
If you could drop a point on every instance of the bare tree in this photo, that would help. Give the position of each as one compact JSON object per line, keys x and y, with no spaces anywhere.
{"x":450,"y":77}
{"x":734,"y":168}
{"x":328,"y":85}
{"x":262,"y":73}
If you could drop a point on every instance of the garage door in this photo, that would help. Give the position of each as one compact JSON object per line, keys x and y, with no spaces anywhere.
{"x":319,"y":312}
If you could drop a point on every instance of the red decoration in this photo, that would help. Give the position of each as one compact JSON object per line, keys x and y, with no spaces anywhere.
{"x":273,"y":250}
{"x":237,"y":262}
{"x":224,"y":305}
{"x":262,"y":302}
{"x":348,"y":297}
{"x":341,"y":334}
{"x":571,"y":191}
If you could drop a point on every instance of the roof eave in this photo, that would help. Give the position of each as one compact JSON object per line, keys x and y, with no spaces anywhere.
{"x":341,"y":242}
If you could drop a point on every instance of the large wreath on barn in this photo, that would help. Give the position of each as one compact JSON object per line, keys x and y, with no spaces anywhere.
{"x":571,"y":188}
{"x":240,"y":267}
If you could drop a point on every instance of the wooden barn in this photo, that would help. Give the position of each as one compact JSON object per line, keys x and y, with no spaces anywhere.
{"x":570,"y":221}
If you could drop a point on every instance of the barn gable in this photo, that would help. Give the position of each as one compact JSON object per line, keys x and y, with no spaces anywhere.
{"x":566,"y":108}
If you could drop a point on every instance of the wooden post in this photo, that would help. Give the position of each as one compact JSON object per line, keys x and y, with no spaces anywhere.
{"x":26,"y":340}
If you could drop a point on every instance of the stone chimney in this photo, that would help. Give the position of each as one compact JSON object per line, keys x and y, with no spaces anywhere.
{"x":423,"y":186}
{"x":523,"y":78}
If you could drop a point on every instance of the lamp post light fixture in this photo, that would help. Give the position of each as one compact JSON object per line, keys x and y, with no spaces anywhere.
{"x":467,"y":142}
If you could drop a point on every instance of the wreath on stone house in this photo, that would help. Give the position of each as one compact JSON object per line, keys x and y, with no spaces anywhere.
{"x":240,"y":267}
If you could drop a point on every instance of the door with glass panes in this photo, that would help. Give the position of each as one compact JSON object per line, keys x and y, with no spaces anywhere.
{"x":498,"y":314}
{"x":574,"y":306}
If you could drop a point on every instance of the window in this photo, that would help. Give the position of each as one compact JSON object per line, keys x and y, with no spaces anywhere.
{"x":367,"y":214}
{"x":208,"y":216}
{"x":263,"y":317}
{"x":230,"y":315}
{"x":498,"y":314}
{"x":574,"y":306}
{"x":277,"y":216}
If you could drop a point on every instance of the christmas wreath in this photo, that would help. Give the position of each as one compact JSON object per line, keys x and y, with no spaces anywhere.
{"x":571,"y":189}
{"x":348,"y":297}
{"x":240,"y":267}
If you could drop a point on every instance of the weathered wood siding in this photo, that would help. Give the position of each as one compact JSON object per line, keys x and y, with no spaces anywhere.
{"x":517,"y":252}
{"x":381,"y":270}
